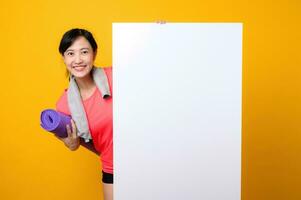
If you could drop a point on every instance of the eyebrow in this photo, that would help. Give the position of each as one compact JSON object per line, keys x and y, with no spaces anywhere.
{"x":80,"y":49}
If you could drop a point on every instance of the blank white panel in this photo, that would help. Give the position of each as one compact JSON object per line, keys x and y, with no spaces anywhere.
{"x":177,"y":111}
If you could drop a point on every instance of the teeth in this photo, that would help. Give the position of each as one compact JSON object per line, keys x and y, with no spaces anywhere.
{"x":79,"y":68}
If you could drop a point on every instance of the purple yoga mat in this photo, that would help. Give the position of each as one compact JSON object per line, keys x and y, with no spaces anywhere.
{"x":55,"y":122}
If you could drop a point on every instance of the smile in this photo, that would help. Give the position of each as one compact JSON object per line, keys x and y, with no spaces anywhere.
{"x":79,"y":68}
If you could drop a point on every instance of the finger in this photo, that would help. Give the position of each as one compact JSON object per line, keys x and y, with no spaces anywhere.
{"x":68,"y":130}
{"x":161,"y":21}
{"x":74,"y":130}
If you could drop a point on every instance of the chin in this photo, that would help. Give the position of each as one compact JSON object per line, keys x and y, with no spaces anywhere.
{"x":80,"y":74}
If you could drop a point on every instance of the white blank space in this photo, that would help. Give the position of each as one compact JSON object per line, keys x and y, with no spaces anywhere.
{"x":177,"y":111}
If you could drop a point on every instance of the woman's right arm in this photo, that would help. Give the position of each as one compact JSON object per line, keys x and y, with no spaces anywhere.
{"x":72,"y":141}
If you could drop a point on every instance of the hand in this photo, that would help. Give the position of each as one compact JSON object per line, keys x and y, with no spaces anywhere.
{"x":161,"y":22}
{"x":72,"y":141}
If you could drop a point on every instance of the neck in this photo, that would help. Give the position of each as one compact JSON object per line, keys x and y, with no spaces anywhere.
{"x":85,"y":83}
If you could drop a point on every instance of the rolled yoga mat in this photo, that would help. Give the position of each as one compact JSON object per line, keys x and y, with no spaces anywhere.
{"x":55,"y":122}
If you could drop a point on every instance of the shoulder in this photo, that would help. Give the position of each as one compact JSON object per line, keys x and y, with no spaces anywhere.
{"x":62,"y":103}
{"x":108,"y":71}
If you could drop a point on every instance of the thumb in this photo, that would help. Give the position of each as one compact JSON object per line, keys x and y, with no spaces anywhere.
{"x":74,"y":129}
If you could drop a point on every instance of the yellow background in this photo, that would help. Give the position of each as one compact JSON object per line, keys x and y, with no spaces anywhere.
{"x":34,"y":165}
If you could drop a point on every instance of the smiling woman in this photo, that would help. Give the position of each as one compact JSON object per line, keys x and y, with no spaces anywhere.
{"x":78,"y":49}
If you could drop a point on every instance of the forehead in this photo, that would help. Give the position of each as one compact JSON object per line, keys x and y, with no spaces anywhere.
{"x":80,"y":43}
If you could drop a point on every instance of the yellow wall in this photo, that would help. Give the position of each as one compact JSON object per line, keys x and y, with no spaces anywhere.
{"x":34,"y":165}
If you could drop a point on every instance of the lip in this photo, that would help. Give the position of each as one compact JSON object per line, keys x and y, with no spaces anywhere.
{"x":79,"y":68}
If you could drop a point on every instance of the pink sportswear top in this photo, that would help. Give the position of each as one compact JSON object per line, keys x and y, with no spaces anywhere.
{"x":99,"y":115}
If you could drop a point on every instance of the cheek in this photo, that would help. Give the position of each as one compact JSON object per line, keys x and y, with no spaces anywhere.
{"x":90,"y":59}
{"x":67,"y":62}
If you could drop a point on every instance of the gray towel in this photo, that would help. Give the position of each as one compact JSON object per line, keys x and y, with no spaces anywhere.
{"x":75,"y":102}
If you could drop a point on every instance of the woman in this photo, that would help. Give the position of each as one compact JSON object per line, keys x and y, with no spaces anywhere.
{"x":78,"y":49}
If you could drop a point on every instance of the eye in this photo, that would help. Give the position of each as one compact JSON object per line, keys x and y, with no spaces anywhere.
{"x":69,"y":53}
{"x":85,"y":52}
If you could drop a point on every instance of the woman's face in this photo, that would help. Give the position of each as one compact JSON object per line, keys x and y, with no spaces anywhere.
{"x":79,"y":57}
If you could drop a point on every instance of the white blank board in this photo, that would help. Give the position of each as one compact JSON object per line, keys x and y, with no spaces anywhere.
{"x":177,"y":111}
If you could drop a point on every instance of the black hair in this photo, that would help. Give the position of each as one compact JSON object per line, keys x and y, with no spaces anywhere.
{"x":70,"y":36}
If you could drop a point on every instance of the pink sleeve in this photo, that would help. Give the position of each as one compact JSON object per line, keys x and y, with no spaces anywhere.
{"x":62,"y":104}
{"x":108,"y":71}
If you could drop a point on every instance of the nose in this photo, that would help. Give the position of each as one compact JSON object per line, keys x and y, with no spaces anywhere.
{"x":78,"y":59}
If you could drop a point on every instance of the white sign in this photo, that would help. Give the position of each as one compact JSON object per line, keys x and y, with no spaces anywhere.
{"x":177,"y":111}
